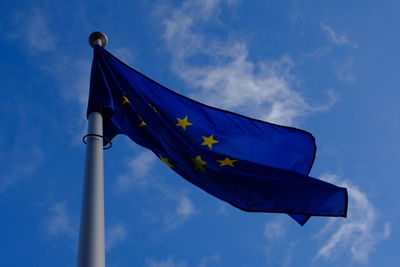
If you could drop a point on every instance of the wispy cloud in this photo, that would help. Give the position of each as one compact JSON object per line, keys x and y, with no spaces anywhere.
{"x":115,"y":235}
{"x":223,"y":208}
{"x":278,"y":251}
{"x":171,"y":262}
{"x":334,"y":37}
{"x":230,"y":79}
{"x":124,"y":54}
{"x":58,"y":221}
{"x":344,"y":72}
{"x":178,"y":210}
{"x":139,"y":167}
{"x":209,"y":260}
{"x":177,"y":207}
{"x":32,"y":28}
{"x":74,"y":81}
{"x":185,"y":207}
{"x":319,"y":53}
{"x":25,"y":161}
{"x":274,"y":229}
{"x":72,"y":76}
{"x":359,"y":233}
{"x":23,"y":157}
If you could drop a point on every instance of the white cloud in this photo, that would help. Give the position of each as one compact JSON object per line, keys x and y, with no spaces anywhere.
{"x":278,"y":251}
{"x":288,"y":258}
{"x":171,"y":262}
{"x":223,"y":208}
{"x":176,"y":208}
{"x":209,"y":260}
{"x":334,"y":37}
{"x":139,"y":167}
{"x":114,"y":235}
{"x":359,"y":233}
{"x":58,"y":221}
{"x":23,"y":158}
{"x":32,"y":29}
{"x":73,"y":76}
{"x":274,"y":229}
{"x":142,"y":164}
{"x":124,"y":54}
{"x":231,"y":80}
{"x":319,"y":53}
{"x":185,"y":207}
{"x":184,"y":210}
{"x":344,"y":72}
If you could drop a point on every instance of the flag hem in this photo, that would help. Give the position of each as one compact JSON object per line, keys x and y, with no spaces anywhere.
{"x":299,"y":213}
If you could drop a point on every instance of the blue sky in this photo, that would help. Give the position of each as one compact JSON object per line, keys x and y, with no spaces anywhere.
{"x":327,"y":67}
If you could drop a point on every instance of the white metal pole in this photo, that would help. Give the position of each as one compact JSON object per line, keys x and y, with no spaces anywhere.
{"x":91,"y":250}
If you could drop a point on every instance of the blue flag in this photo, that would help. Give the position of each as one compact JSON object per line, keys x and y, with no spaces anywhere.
{"x":251,"y":164}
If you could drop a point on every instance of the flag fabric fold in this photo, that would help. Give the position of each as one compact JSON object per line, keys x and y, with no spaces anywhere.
{"x":251,"y":164}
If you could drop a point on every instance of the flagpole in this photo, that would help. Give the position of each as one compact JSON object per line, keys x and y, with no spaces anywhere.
{"x":91,"y":250}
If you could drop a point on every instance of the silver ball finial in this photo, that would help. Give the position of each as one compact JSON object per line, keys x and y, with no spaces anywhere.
{"x":98,"y":38}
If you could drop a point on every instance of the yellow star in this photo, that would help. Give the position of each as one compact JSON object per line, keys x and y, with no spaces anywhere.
{"x":126,"y":100}
{"x":142,"y":124}
{"x":166,"y":162}
{"x":153,"y":107}
{"x":183,"y":122}
{"x":209,"y":141}
{"x":199,"y":163}
{"x":227,"y":162}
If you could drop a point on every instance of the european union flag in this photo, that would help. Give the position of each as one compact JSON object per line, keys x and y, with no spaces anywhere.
{"x":251,"y":164}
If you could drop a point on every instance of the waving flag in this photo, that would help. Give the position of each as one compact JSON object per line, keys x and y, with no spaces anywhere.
{"x":251,"y":164}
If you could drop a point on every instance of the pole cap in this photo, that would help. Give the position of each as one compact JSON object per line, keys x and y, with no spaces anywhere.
{"x":94,"y":36}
